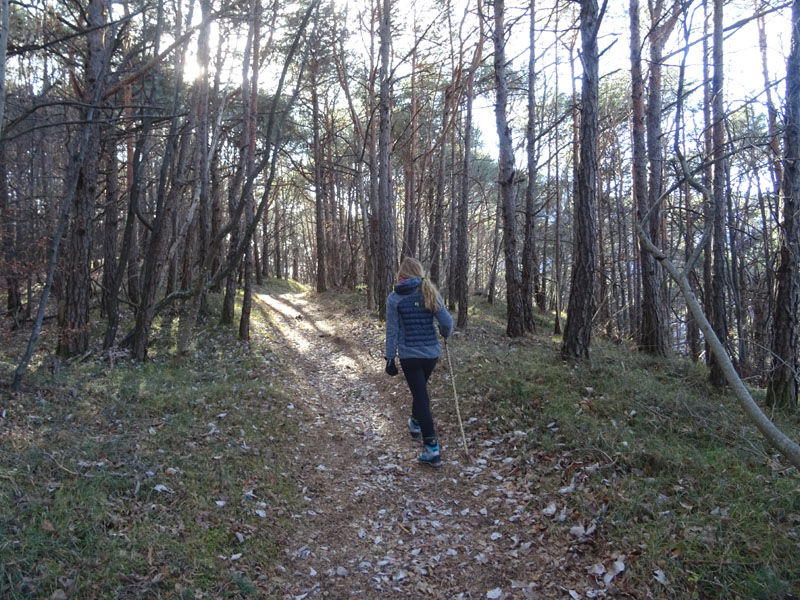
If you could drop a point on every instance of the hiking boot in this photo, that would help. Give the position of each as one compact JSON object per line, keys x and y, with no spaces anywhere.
{"x":430,"y":456}
{"x":414,"y":429}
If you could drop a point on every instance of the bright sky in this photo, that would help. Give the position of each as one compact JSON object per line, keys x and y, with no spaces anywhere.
{"x":742,"y":58}
{"x":743,"y":75}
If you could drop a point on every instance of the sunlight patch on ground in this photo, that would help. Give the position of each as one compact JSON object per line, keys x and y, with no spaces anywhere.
{"x":286,"y":307}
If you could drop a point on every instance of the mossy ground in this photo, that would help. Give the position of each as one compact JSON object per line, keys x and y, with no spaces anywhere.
{"x":691,"y":488}
{"x":163,"y":479}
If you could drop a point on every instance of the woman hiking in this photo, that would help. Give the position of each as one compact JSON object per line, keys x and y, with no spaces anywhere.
{"x":410,"y":333}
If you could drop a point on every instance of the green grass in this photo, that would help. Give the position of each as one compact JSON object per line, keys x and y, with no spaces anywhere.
{"x":85,"y":446}
{"x":690,"y":487}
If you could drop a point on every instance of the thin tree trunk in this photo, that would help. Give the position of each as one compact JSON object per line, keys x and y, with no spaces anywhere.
{"x":707,"y":177}
{"x":529,"y":267}
{"x":386,"y":219}
{"x":462,"y":254}
{"x":250,"y":97}
{"x":718,"y":308}
{"x":319,"y":184}
{"x":110,"y":224}
{"x":437,"y":227}
{"x":515,"y":326}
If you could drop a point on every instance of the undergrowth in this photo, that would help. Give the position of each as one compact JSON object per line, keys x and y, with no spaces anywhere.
{"x":692,"y":493}
{"x":167,"y":480}
{"x":158,"y":480}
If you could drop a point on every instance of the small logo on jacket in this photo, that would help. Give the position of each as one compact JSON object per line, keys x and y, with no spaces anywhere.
{"x":416,"y":303}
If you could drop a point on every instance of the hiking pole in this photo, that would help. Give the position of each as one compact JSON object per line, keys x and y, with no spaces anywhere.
{"x":455,"y":397}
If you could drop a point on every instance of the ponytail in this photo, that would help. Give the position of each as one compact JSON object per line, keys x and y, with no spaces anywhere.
{"x":430,"y":296}
{"x":411,"y":267}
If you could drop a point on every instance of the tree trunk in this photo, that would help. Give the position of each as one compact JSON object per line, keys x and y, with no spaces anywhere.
{"x":708,"y":214}
{"x":496,"y":246}
{"x":319,"y":184}
{"x":70,"y":191}
{"x":250,"y":99}
{"x":110,"y":224}
{"x":782,"y":385}
{"x":74,"y":313}
{"x":386,"y":218}
{"x":14,"y":299}
{"x":515,"y":326}
{"x":578,"y":330}
{"x":529,"y":267}
{"x":7,"y":214}
{"x":462,"y":253}
{"x":437,"y":224}
{"x":718,"y":308}
{"x":278,"y":263}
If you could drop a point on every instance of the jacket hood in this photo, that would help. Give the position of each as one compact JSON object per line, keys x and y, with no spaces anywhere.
{"x":408,"y":285}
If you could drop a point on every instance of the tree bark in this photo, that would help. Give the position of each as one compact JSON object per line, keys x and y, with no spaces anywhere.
{"x":250,"y":99}
{"x":462,"y":254}
{"x":718,"y":310}
{"x":515,"y":325}
{"x":578,"y":330}
{"x":782,"y":386}
{"x":108,"y":293}
{"x":437,"y":217}
{"x":386,"y":218}
{"x":319,"y":183}
{"x":530,"y":269}
{"x":74,"y":313}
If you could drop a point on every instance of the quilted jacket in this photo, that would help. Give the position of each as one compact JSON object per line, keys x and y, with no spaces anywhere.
{"x":410,"y":328}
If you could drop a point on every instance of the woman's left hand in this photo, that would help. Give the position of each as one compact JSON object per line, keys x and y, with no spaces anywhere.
{"x":391,"y":368}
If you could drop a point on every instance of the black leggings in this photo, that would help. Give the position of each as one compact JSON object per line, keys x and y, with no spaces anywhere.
{"x":417,"y":372}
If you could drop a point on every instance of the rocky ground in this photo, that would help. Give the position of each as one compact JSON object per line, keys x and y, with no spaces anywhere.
{"x":376,"y":524}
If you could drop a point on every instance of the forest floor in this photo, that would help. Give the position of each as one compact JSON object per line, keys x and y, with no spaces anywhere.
{"x":283,"y":468}
{"x":377,"y":524}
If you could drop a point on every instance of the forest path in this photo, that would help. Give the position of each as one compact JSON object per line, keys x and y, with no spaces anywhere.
{"x":375,"y":523}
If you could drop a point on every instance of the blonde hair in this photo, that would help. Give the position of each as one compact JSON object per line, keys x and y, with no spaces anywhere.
{"x":411,"y":267}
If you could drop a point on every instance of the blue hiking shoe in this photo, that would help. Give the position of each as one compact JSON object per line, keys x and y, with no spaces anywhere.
{"x":430,"y":456}
{"x":414,"y":429}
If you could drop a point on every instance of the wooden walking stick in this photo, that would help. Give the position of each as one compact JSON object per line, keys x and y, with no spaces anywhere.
{"x":455,"y":397}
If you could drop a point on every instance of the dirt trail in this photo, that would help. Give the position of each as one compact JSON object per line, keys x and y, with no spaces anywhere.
{"x":375,"y":523}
